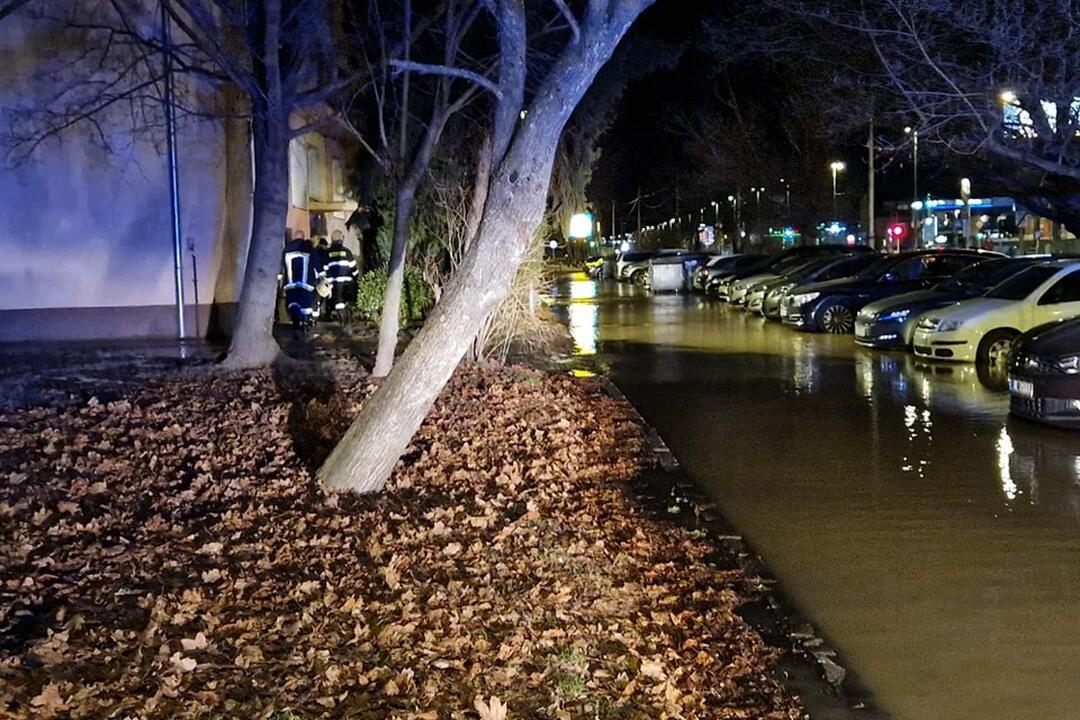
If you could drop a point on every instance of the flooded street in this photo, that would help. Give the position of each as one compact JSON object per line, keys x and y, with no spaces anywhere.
{"x":934,"y":541}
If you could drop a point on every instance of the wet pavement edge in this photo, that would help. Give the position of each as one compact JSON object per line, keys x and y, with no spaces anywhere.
{"x":810,"y":666}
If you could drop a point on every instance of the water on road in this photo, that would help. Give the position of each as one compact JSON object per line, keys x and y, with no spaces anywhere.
{"x":933,"y":540}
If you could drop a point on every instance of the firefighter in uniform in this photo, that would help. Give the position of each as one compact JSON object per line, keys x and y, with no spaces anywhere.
{"x":301,"y":271}
{"x":341,"y":271}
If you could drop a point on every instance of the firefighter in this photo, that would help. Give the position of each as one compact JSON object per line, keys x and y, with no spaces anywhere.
{"x":301,"y":271}
{"x":341,"y":271}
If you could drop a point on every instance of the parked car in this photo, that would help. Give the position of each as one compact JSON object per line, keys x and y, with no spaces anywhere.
{"x":637,"y":268}
{"x":983,"y":329}
{"x":718,"y":276}
{"x":889,"y":324}
{"x":718,"y":264}
{"x":780,"y":263}
{"x":1044,"y":375}
{"x":822,"y":270}
{"x":831,"y":306}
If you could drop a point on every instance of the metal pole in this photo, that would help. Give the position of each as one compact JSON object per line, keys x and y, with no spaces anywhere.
{"x":834,"y":190}
{"x":870,"y":239}
{"x":174,"y":174}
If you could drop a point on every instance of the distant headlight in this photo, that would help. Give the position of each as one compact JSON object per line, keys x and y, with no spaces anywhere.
{"x":803,"y":298}
{"x":1069,"y":364}
{"x":898,"y":316}
{"x":949,"y":325}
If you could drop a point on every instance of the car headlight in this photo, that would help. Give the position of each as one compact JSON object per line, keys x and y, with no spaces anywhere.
{"x":803,"y":298}
{"x":949,"y":325}
{"x":1069,"y":364}
{"x":898,"y":316}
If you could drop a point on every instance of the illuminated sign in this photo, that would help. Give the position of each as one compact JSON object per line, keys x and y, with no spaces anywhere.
{"x":581,"y":225}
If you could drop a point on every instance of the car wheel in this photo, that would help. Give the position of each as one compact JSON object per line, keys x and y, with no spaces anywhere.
{"x":638,"y":278}
{"x":994,"y":351}
{"x":837,"y":318}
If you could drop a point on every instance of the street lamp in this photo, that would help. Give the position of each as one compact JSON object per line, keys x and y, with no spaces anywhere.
{"x":787,"y":201}
{"x":914,"y":133}
{"x":836,"y":167}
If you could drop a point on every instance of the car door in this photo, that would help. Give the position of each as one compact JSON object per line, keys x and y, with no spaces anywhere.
{"x":1061,"y":301}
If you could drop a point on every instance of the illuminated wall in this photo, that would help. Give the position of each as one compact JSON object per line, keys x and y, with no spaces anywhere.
{"x":85,"y":234}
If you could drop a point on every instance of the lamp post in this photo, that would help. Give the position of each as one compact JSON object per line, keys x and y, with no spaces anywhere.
{"x":836,"y":167}
{"x":914,"y":133}
{"x":787,"y":201}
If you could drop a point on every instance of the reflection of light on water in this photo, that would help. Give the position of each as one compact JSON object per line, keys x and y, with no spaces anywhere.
{"x":582,"y":289}
{"x":583,"y":327}
{"x":804,"y":372}
{"x":1005,"y":451}
{"x":864,"y":366}
{"x":917,"y":423}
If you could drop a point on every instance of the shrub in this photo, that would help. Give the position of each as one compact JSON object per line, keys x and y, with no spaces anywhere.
{"x":416,"y":296}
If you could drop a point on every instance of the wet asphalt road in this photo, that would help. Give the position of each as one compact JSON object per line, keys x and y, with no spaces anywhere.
{"x":934,"y":541}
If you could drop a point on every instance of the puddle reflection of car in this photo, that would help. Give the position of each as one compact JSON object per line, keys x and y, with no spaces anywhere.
{"x":1040,"y":468}
{"x":1044,"y":375}
{"x":982,"y":330}
{"x":889,"y":324}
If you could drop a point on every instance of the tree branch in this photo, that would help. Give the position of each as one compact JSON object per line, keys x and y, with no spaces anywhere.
{"x":428,"y":69}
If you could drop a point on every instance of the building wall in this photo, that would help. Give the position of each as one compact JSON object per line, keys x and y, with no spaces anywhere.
{"x":86,"y":246}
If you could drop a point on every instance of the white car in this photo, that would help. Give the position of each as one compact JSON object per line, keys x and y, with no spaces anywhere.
{"x":982,"y":329}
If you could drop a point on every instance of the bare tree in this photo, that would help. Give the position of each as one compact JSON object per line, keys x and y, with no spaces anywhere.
{"x":523,"y":151}
{"x":402,"y":144}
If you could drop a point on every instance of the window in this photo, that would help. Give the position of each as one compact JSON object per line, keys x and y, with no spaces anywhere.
{"x":316,"y":173}
{"x":298,"y":174}
{"x":940,"y":266}
{"x":909,"y":269}
{"x":1024,"y":283}
{"x":1065,"y":290}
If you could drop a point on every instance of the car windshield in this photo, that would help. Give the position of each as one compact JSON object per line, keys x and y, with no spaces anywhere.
{"x":879,"y":267}
{"x":807,"y":269}
{"x":983,"y":275}
{"x":1024,"y":283}
{"x":980,"y":273}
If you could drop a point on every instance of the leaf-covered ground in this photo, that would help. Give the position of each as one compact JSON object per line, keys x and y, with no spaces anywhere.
{"x":167,"y":554}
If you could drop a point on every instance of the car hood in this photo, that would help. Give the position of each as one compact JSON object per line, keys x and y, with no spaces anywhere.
{"x":974,"y":309}
{"x":755,"y":279}
{"x":911,"y":300}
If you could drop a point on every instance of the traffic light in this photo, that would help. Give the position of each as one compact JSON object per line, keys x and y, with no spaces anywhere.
{"x":897,"y":231}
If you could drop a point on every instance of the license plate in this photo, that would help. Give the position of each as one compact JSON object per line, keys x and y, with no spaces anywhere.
{"x":862,"y":330}
{"x":1021,"y":388}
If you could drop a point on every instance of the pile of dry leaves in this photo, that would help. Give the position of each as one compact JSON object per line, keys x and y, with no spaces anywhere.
{"x":168,"y":554}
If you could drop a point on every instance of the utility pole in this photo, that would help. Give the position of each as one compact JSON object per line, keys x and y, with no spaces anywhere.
{"x":174,"y":174}
{"x":870,"y":240}
{"x":638,"y":203}
{"x":613,"y":219}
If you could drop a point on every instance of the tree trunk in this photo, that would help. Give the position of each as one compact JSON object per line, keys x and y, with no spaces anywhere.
{"x":363,"y":459}
{"x":395,"y":280}
{"x":253,"y":343}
